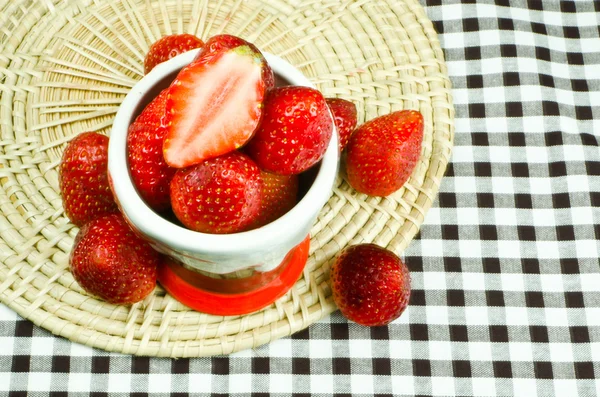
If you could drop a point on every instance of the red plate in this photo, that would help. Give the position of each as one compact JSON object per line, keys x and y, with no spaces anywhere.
{"x":228,"y":297}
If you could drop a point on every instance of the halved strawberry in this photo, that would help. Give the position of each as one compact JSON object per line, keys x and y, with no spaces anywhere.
{"x":223,"y":42}
{"x":214,"y":105}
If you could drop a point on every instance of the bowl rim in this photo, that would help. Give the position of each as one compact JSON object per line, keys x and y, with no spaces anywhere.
{"x":178,"y":237}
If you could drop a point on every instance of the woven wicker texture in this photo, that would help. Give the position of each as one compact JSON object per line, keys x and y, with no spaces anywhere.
{"x":65,"y":66}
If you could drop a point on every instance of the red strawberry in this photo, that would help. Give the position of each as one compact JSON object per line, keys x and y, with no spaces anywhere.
{"x":222,"y":42}
{"x":110,"y":261}
{"x":149,"y":171}
{"x":344,"y":114}
{"x":280,"y":193}
{"x":84,"y":179}
{"x":294,"y":133}
{"x":168,"y":47}
{"x":370,"y":284}
{"x":214,"y":105}
{"x":383,"y":152}
{"x":220,"y":195}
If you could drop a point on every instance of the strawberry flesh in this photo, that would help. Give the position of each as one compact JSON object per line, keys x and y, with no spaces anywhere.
{"x":83,"y":179}
{"x":213,"y":106}
{"x":110,"y":261}
{"x":223,"y":42}
{"x":220,"y":195}
{"x":370,"y":284}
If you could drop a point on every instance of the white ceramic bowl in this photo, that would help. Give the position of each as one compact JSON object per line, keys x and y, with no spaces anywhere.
{"x":261,"y":249}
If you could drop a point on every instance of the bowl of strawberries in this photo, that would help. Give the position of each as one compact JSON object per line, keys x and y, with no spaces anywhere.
{"x":219,"y":161}
{"x":222,"y":158}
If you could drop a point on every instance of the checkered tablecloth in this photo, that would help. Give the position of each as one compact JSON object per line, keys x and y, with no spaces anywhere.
{"x":505,"y":270}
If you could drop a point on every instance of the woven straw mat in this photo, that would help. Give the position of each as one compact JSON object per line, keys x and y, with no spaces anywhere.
{"x":66,"y":65}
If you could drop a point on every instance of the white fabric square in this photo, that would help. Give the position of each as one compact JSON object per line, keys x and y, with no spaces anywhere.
{"x":565,"y":387}
{"x":239,"y":383}
{"x":465,"y":184}
{"x":437,"y":315}
{"x":400,"y":349}
{"x":442,"y":386}
{"x":7,"y":314}
{"x":5,"y":381}
{"x":552,"y":282}
{"x":547,"y":249}
{"x":484,"y":386}
{"x":476,"y":315}
{"x":587,"y":248}
{"x":320,"y":348}
{"x":119,"y":383}
{"x":359,"y":348}
{"x":512,"y":282}
{"x":79,"y":350}
{"x":281,"y":348}
{"x":473,"y":281}
{"x":201,"y":383}
{"x":480,"y":351}
{"x":524,"y":387}
{"x":79,"y":382}
{"x":39,"y":381}
{"x":434,"y":281}
{"x":590,"y":283}
{"x":440,"y":350}
{"x":321,"y":384}
{"x":470,"y":248}
{"x":503,"y":185}
{"x":41,"y":346}
{"x":280,"y":383}
{"x":361,"y":384}
{"x":561,"y":352}
{"x":520,"y":351}
{"x":517,"y":316}
{"x":403,"y":385}
{"x":159,"y":383}
{"x":433,"y":248}
{"x":7,"y":346}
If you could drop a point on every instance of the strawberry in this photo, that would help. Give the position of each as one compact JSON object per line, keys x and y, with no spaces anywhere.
{"x":294,"y":133}
{"x":214,"y":105}
{"x":383,"y":152}
{"x":280,"y":193}
{"x":223,"y":42}
{"x":370,"y":284}
{"x":83,"y":178}
{"x":168,"y":47}
{"x":220,"y":195}
{"x":110,"y":261}
{"x":150,"y":173}
{"x":344,"y":115}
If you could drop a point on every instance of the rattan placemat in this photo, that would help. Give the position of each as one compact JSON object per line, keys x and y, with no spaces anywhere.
{"x":65,"y":65}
